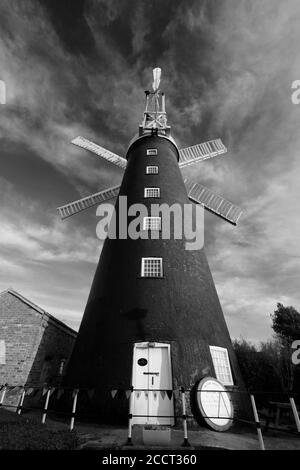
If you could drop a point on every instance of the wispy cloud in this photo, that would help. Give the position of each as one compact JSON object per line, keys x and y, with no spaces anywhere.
{"x":46,"y":254}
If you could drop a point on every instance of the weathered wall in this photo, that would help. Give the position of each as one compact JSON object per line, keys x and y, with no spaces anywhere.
{"x":21,"y":329}
{"x":35,"y":344}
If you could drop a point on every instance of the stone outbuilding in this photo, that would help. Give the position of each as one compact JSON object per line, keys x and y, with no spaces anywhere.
{"x":34,"y":346}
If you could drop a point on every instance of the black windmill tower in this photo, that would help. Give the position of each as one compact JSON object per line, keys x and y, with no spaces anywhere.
{"x":153,"y":319}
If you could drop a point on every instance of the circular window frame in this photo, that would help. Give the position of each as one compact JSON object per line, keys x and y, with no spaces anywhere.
{"x":201,"y":411}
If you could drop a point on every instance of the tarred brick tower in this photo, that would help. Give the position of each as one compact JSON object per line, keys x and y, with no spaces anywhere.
{"x":153,"y":319}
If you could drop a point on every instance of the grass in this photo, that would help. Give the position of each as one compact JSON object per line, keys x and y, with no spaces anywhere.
{"x":21,"y":433}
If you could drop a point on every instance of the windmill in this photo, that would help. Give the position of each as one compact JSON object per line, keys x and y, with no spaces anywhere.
{"x":155,"y":119}
{"x":153,"y":320}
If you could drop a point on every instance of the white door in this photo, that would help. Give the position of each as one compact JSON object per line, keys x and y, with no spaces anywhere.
{"x":151,"y":378}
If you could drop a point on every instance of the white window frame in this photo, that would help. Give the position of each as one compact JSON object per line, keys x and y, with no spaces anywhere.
{"x":143,"y":266}
{"x":151,"y":151}
{"x":148,"y":190}
{"x":227,"y":366}
{"x":2,"y":352}
{"x":156,"y":222}
{"x":152,"y":170}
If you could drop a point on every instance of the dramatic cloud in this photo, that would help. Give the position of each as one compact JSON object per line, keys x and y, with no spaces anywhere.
{"x":38,"y":251}
{"x":227,"y":72}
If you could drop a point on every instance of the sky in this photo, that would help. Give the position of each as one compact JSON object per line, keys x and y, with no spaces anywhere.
{"x":80,"y":67}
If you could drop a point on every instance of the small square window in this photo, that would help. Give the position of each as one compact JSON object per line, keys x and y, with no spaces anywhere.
{"x":151,"y":170}
{"x":152,"y":267}
{"x":152,"y":192}
{"x":151,"y":151}
{"x":152,"y":223}
{"x":221,"y":364}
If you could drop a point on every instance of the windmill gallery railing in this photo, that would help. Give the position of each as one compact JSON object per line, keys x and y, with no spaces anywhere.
{"x":51,"y":392}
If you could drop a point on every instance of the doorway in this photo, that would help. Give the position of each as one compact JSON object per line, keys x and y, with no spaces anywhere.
{"x":151,"y":378}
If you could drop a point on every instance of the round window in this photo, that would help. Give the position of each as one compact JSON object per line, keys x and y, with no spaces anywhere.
{"x":214,"y":404}
{"x":142,"y":361}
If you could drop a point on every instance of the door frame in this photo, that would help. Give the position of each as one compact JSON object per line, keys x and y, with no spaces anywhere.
{"x":152,"y":344}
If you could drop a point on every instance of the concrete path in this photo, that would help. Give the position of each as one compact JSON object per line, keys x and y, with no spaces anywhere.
{"x":96,"y":437}
{"x":107,"y":437}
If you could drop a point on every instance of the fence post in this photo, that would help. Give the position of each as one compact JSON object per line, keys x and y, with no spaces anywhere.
{"x":21,"y":401}
{"x":129,"y":440}
{"x":295,"y":413}
{"x":75,"y":395}
{"x":3,"y":395}
{"x":258,"y":427}
{"x":184,"y":420}
{"x":46,"y":406}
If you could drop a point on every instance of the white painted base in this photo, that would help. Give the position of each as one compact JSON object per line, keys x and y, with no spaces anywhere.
{"x":157,"y":436}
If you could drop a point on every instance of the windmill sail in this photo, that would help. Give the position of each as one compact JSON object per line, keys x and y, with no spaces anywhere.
{"x":98,"y":150}
{"x":212,"y":202}
{"x":77,"y":206}
{"x":199,"y":152}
